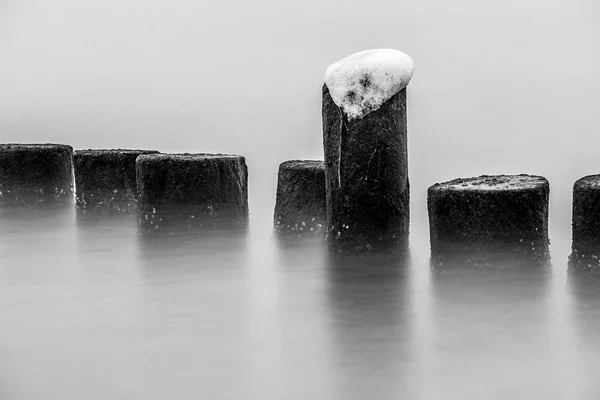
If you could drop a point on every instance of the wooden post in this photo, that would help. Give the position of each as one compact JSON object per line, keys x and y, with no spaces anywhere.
{"x":488,"y":216}
{"x":36,"y":174}
{"x":300,"y":202}
{"x":366,"y":150}
{"x":585,"y":256}
{"x":191,"y":190}
{"x":105,"y":179}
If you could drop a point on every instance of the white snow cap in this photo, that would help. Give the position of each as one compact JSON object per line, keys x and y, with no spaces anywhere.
{"x":362,"y":82}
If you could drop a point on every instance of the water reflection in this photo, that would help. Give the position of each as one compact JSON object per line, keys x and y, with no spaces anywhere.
{"x":294,"y":334}
{"x":33,"y":231}
{"x":106,"y":249}
{"x":584,"y":289}
{"x":213,"y":246}
{"x":99,"y":222}
{"x":194,"y":311}
{"x":370,"y":307}
{"x":378,"y":248}
{"x":492,"y":261}
{"x":37,"y":244}
{"x":497,"y":322}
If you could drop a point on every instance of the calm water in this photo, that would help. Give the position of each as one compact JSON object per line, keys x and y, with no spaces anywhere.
{"x":92,"y":309}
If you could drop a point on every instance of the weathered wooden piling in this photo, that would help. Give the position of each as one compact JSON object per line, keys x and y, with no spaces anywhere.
{"x":585,"y":256}
{"x":365,"y":145}
{"x":300,"y":202}
{"x":503,"y":215}
{"x":180,"y":191}
{"x":36,"y":174}
{"x":105,"y":179}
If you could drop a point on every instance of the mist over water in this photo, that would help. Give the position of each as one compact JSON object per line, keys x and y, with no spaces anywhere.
{"x":94,"y":308}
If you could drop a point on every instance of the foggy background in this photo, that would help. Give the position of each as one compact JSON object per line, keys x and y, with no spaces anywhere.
{"x":499,"y":87}
{"x":92,"y":309}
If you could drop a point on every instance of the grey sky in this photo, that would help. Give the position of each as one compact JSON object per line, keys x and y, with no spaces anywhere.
{"x":499,"y":87}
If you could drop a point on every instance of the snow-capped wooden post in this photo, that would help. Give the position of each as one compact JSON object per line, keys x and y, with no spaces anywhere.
{"x":365,"y":145}
{"x":489,"y":216}
{"x":585,"y":247}
{"x":300,"y":201}
{"x":34,"y":174}
{"x":189,"y":191}
{"x":105,"y":179}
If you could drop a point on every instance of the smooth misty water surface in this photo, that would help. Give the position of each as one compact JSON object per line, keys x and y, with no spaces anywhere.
{"x":92,"y":308}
